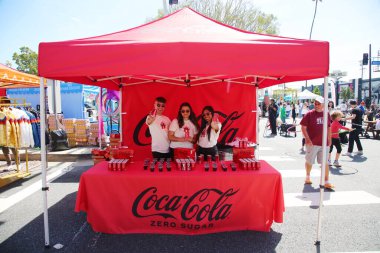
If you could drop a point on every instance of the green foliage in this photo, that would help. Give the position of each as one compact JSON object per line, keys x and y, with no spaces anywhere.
{"x":8,"y":63}
{"x":346,"y":93}
{"x":241,"y":14}
{"x":317,"y":91}
{"x":26,"y":61}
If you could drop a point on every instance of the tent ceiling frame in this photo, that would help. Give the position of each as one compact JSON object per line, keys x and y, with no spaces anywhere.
{"x":185,"y":80}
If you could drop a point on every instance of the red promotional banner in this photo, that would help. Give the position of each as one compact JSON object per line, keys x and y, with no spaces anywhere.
{"x":234,"y":104}
{"x":180,"y":202}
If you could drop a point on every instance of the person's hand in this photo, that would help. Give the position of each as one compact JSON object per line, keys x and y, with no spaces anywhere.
{"x":308,"y":142}
{"x":150,"y":119}
{"x":214,"y":124}
{"x":350,"y":129}
{"x":189,"y":139}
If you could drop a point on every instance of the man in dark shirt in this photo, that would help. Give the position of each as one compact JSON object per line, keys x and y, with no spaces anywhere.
{"x":272,"y":113}
{"x":357,"y":122}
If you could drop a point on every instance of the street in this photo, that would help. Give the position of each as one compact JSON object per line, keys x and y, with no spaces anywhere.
{"x":350,"y":216}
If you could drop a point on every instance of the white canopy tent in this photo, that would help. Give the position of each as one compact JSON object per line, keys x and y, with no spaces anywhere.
{"x":306,"y":94}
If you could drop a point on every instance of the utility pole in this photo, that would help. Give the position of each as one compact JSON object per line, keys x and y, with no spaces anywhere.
{"x":312,"y":24}
{"x":370,"y":75}
{"x":166,"y":12}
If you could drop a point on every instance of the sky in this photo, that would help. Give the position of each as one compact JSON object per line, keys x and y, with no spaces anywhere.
{"x":348,"y":25}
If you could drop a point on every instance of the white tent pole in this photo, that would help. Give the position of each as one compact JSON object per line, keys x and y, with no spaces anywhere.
{"x":324,"y":160}
{"x":257,"y":123}
{"x":100,"y":116}
{"x":43,"y":160}
{"x":121,"y":115}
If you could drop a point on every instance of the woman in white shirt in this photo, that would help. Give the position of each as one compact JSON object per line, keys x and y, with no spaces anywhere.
{"x":184,"y":129}
{"x":209,"y":133}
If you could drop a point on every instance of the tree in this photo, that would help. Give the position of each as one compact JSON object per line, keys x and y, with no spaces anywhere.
{"x":26,"y":61}
{"x":346,"y":93}
{"x":317,"y":91}
{"x":241,"y":14}
{"x":8,"y":63}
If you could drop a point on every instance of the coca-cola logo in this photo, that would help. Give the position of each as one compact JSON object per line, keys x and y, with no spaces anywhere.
{"x":210,"y":204}
{"x":142,"y":137}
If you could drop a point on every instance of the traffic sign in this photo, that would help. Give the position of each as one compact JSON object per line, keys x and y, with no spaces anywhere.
{"x":375,"y":62}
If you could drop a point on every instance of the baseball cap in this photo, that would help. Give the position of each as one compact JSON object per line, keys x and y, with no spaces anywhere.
{"x":320,"y":99}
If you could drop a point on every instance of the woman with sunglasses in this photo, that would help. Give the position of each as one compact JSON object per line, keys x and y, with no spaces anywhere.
{"x":183,"y":129}
{"x":209,"y":133}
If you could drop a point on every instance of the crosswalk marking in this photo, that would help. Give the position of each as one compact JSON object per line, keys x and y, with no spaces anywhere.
{"x":299,"y":173}
{"x":272,"y":158}
{"x":330,"y":198}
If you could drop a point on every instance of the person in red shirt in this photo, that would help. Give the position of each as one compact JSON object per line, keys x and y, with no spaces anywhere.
{"x":312,"y":130}
{"x":336,"y":116}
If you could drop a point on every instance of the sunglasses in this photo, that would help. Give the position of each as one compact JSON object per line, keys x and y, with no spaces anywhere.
{"x":160,"y":105}
{"x":185,"y":111}
{"x":206,"y":114}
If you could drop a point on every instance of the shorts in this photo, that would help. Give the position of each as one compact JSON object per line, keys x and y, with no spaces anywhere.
{"x":313,"y":152}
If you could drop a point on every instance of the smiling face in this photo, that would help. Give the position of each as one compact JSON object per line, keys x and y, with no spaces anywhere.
{"x":160,"y":107}
{"x":185,"y":111}
{"x":207,"y":115}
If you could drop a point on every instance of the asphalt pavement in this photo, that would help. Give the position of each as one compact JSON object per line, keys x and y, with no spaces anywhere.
{"x":350,"y":216}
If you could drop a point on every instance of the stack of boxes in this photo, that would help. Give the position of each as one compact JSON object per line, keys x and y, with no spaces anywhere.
{"x":115,"y":140}
{"x":69,"y":125}
{"x":52,"y":123}
{"x":94,"y":132}
{"x":82,"y":131}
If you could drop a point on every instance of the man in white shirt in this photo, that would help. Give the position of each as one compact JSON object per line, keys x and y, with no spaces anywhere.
{"x":158,"y":126}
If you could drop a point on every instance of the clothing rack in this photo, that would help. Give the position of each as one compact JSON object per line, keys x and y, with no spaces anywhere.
{"x":23,"y":104}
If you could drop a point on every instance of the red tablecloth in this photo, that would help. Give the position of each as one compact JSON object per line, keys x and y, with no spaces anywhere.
{"x":180,"y":202}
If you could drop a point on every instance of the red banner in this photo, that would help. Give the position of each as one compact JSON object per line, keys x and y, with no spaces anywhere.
{"x":233,"y":102}
{"x":180,"y":202}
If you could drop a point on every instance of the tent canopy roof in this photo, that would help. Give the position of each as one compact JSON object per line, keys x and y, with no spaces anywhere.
{"x":184,"y":48}
{"x":306,"y":94}
{"x":11,"y":78}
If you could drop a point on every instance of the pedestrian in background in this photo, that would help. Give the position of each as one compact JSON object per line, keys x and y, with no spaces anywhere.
{"x":336,"y":116}
{"x":356,"y":122}
{"x":294,"y":113}
{"x":272,"y":113}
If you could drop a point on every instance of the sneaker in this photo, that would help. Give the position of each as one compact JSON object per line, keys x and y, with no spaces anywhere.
{"x":329,"y":186}
{"x":347,"y":154}
{"x":329,"y":162}
{"x":308,"y":181}
{"x":360,"y":152}
{"x":336,"y":164}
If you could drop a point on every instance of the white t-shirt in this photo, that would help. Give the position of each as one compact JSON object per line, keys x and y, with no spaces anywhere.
{"x":159,"y":132}
{"x":203,"y":137}
{"x":180,"y":133}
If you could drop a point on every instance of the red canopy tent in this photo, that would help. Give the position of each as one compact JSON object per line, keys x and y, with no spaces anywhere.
{"x":185,"y":57}
{"x":190,"y":50}
{"x":184,"y":45}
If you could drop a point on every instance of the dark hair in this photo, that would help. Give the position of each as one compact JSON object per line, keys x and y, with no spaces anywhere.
{"x":332,"y":102}
{"x":161,"y":99}
{"x":353,"y":102}
{"x":204,"y":123}
{"x":192,"y":116}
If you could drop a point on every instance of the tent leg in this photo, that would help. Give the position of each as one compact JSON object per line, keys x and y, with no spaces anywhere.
{"x":257,"y":123}
{"x":100,"y":117}
{"x":43,"y":160}
{"x":121,"y":115}
{"x":324,"y":160}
